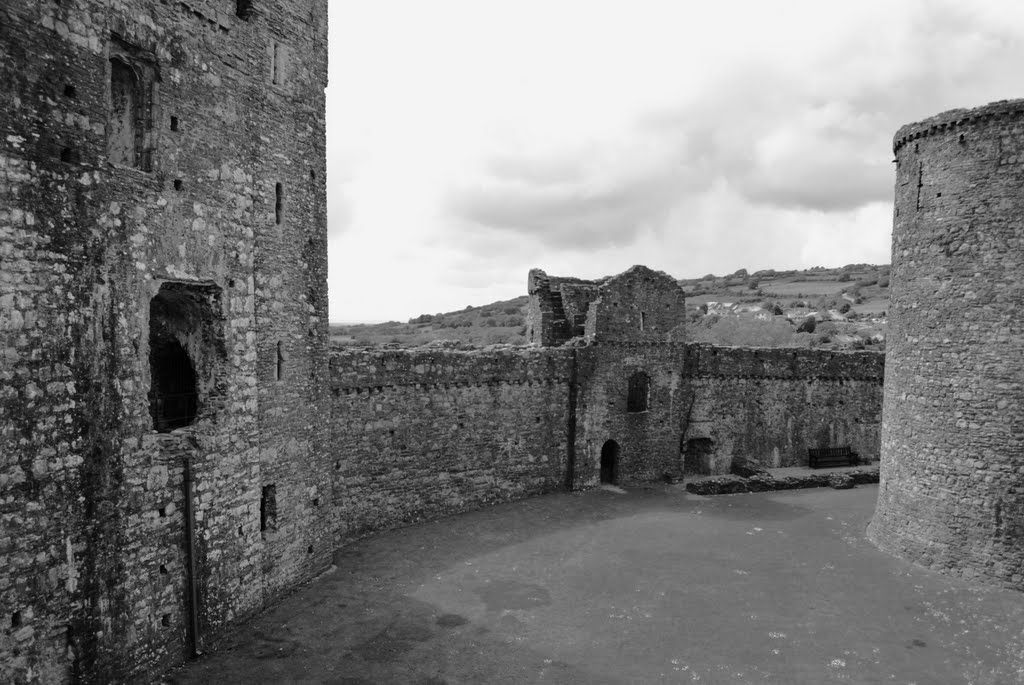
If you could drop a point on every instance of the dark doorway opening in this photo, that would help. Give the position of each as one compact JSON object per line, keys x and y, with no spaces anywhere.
{"x":697,"y":454}
{"x":185,"y":350}
{"x":610,"y":462}
{"x":173,"y":399}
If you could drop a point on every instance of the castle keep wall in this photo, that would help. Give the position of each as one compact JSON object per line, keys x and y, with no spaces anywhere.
{"x":424,"y":432}
{"x":417,"y":434}
{"x":142,"y":147}
{"x":768,"y":406}
{"x":712,"y":406}
{"x":952,"y":488}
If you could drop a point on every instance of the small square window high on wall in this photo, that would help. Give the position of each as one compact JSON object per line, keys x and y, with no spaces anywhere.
{"x":243,"y":9}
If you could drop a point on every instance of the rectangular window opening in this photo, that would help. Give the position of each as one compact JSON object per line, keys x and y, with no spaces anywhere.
{"x":280,"y":359}
{"x":174,"y":123}
{"x":243,"y":9}
{"x":278,"y":204}
{"x":268,"y":508}
{"x":131,"y":105}
{"x":275,"y":65}
{"x":639,"y":393}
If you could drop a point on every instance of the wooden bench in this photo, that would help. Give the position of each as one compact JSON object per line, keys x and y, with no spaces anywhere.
{"x":830,"y":457}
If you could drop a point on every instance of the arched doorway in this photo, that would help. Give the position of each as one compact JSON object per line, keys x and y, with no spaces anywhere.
{"x":609,"y":462}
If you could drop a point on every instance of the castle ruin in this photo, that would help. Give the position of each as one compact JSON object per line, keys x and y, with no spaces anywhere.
{"x":163,"y":326}
{"x":179,"y":446}
{"x":952,"y":489}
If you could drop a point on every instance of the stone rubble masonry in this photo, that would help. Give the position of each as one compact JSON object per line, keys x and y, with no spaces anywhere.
{"x":710,"y":405}
{"x":763,"y":482}
{"x":421,"y":433}
{"x":952,"y":474}
{"x":93,"y":560}
{"x":430,"y":431}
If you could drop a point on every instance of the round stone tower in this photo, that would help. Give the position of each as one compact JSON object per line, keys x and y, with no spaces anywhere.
{"x":952,"y":492}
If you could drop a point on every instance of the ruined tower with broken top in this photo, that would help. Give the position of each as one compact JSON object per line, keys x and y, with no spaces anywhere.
{"x":952,"y":489}
{"x":162,"y":325}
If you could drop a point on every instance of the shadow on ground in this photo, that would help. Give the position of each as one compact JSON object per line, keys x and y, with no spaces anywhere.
{"x":651,"y":586}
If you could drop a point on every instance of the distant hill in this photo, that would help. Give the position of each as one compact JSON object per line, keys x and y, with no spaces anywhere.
{"x":848,"y":306}
{"x":498,"y":322}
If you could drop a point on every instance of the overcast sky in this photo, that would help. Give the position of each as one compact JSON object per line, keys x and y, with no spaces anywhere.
{"x":470,"y":140}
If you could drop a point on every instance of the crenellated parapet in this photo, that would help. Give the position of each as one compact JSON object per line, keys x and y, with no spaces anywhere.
{"x":957,"y":121}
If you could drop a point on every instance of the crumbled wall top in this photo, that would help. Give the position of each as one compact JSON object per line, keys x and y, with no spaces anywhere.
{"x":638,"y":305}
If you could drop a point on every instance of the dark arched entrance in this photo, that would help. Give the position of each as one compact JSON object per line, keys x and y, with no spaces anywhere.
{"x":609,"y":462}
{"x":697,"y":454}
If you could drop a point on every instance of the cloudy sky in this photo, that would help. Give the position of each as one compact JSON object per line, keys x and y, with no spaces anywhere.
{"x":470,"y":140}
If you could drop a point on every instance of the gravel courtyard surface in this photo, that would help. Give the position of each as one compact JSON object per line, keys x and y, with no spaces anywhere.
{"x":645,"y":585}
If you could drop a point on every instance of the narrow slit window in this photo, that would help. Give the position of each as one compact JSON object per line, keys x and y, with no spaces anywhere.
{"x":277,"y":65}
{"x":278,"y":204}
{"x":642,"y":317}
{"x":279,"y":367}
{"x":268,"y":508}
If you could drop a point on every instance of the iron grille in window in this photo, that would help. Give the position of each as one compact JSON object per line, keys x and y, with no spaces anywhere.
{"x":173,"y":400}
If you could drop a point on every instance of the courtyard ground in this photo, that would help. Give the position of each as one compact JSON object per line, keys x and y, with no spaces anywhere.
{"x":642,"y":585}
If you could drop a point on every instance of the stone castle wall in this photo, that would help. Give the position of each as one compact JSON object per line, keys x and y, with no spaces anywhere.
{"x":416,"y":434}
{"x":952,"y":488}
{"x":768,"y":406}
{"x":161,"y":190}
{"x":710,"y":407}
{"x":419,"y":433}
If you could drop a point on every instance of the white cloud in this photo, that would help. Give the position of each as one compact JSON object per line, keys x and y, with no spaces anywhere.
{"x":469,"y":141}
